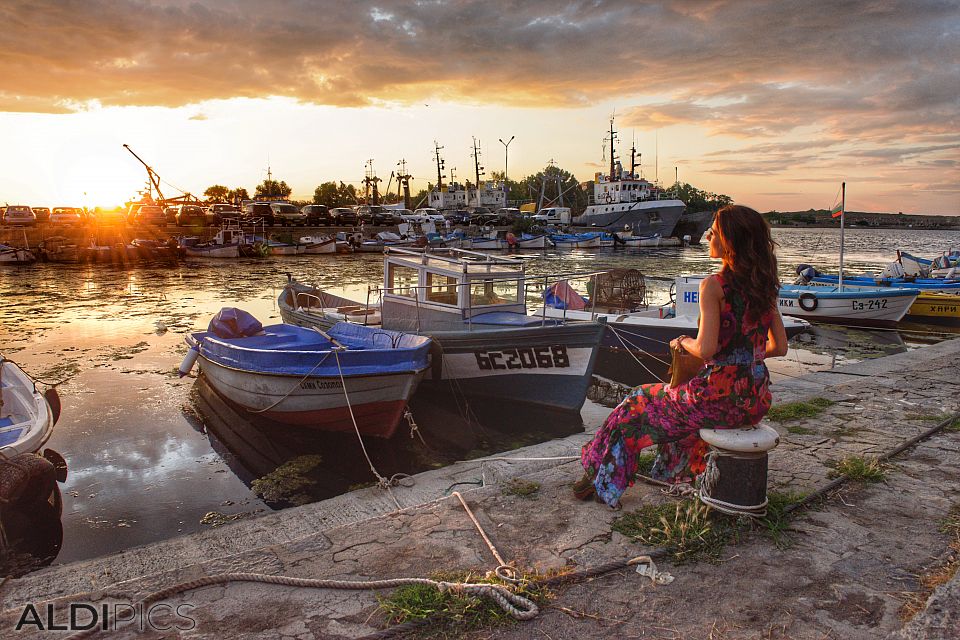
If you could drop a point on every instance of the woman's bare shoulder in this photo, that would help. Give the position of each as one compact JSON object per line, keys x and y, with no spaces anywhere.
{"x":712,"y":285}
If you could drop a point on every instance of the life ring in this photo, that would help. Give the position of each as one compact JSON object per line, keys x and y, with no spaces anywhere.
{"x":609,"y":198}
{"x":806,"y":297}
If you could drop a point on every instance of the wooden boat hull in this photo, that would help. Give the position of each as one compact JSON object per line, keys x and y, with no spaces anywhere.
{"x":317,"y":402}
{"x":320,"y":248}
{"x":860,"y":307}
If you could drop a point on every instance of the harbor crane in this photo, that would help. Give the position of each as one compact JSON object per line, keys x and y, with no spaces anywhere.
{"x":151,"y":174}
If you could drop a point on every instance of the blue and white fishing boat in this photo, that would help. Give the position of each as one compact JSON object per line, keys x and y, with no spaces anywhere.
{"x":575,"y":240}
{"x":486,"y":347}
{"x":532,"y":241}
{"x":866,"y":306}
{"x":308,"y":377}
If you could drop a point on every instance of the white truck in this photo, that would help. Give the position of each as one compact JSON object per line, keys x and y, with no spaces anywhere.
{"x":553,"y":215}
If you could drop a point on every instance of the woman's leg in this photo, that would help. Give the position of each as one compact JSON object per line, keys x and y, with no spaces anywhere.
{"x":610,"y":458}
{"x":680,"y":461}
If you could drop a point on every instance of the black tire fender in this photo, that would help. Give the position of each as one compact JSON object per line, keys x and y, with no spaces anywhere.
{"x":808,"y":301}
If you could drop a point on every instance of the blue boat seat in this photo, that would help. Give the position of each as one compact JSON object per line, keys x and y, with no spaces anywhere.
{"x":10,"y":436}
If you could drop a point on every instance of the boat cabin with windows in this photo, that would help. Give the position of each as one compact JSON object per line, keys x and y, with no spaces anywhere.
{"x":452,"y":290}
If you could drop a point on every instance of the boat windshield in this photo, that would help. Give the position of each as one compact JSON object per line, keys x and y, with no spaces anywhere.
{"x":487,"y":292}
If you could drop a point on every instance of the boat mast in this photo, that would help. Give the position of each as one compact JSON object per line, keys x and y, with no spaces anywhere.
{"x":843,"y":206}
{"x":436,"y":150}
{"x":371,"y":180}
{"x":633,"y":160}
{"x":403,"y":179}
{"x":476,"y":165}
{"x":613,"y":136}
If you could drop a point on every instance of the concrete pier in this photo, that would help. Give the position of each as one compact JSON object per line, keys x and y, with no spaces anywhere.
{"x":852,"y":564}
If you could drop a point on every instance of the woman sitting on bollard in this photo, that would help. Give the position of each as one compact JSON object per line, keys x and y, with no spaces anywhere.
{"x":739,"y":327}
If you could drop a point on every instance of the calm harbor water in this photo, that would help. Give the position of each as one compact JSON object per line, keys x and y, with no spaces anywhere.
{"x":149,"y":454}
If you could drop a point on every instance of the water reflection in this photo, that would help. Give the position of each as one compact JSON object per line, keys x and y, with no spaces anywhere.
{"x":445,"y":432}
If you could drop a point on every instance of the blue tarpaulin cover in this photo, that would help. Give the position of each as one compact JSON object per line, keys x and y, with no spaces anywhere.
{"x":285,"y":349}
{"x":234,"y":323}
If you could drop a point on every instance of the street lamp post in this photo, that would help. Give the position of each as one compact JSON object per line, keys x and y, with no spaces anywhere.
{"x":506,"y":158}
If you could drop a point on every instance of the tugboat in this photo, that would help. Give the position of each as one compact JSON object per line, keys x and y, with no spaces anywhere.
{"x":625,"y":202}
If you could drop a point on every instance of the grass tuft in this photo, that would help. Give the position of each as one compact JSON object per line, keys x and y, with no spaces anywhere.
{"x":645,"y":463}
{"x":455,"y":613}
{"x":798,"y":410}
{"x":522,"y":489}
{"x":687,"y":529}
{"x":953,"y":427}
{"x":800,"y":431}
{"x":858,"y":469}
{"x":777,"y":521}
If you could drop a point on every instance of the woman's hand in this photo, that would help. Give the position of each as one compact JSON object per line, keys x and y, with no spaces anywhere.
{"x":676,"y":343}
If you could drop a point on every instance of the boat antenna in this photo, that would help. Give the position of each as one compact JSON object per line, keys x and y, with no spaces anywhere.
{"x":843,"y":206}
{"x":370,"y":179}
{"x":656,"y":156}
{"x":633,"y":157}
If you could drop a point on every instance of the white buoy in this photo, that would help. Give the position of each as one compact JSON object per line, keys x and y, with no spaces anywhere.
{"x":188,"y":361}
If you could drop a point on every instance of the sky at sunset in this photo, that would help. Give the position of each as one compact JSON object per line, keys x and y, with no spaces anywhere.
{"x":772,"y":103}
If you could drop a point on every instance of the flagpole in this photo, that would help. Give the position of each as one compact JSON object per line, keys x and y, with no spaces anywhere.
{"x":843,"y":207}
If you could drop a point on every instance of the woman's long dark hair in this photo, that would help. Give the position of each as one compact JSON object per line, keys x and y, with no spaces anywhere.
{"x":749,"y":261}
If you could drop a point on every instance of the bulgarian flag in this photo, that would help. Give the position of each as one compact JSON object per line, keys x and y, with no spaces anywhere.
{"x":837,"y":210}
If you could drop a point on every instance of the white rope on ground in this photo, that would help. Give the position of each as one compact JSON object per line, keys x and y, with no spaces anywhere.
{"x":504,"y":571}
{"x":646,"y":567}
{"x":708,"y":481}
{"x":515,"y":605}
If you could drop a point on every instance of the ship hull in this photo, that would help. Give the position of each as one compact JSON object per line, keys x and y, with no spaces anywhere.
{"x":642,"y":218}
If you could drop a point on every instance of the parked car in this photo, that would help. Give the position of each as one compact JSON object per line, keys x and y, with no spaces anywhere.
{"x":258,"y":211}
{"x":66,"y":216}
{"x":344,"y":216}
{"x":457,"y":216}
{"x":223,"y":211}
{"x":132,"y":211}
{"x":42,"y":213}
{"x":285,"y":213}
{"x":429,"y":214}
{"x":171,"y":214}
{"x":318,"y":214}
{"x":378,"y":215}
{"x":19,"y":215}
{"x":194,"y":214}
{"x":150,"y":214}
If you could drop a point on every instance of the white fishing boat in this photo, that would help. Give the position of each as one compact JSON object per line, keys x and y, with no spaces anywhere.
{"x":27,"y":416}
{"x":14,"y":255}
{"x":473,"y":305}
{"x":532,"y":241}
{"x":575,"y":240}
{"x":314,"y":245}
{"x":226,"y":243}
{"x":625,"y":200}
{"x":311,"y":378}
{"x":652,"y":240}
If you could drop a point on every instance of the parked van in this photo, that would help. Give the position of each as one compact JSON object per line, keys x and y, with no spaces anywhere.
{"x":286,"y":213}
{"x":553,"y":215}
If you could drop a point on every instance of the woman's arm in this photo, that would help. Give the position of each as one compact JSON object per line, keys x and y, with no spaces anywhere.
{"x":705,"y":345}
{"x":776,"y":338}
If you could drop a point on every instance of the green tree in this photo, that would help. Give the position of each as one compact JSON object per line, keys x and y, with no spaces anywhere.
{"x":238,"y":195}
{"x":326,"y":194}
{"x":699,"y":200}
{"x":273,"y":189}
{"x":217,"y":193}
{"x":545,"y":183}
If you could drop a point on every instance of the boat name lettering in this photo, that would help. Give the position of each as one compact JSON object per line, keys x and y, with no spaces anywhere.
{"x":691,"y":296}
{"x":525,"y":358}
{"x":786,"y":303}
{"x":860,"y":305}
{"x":320,"y":384}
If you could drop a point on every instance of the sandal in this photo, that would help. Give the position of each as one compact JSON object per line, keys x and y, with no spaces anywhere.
{"x":583,"y":488}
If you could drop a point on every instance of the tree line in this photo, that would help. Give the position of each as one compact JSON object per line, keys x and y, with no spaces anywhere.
{"x":551,"y":186}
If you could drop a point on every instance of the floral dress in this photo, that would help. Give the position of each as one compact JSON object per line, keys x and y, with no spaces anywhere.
{"x":730,"y":391}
